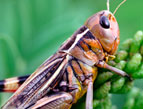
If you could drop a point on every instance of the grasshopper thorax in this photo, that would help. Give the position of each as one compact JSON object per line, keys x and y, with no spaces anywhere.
{"x":104,"y":27}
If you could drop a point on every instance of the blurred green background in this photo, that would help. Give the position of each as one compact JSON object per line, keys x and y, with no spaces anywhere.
{"x":32,"y":30}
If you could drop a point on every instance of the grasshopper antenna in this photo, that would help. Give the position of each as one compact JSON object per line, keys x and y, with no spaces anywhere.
{"x":108,"y":5}
{"x":118,"y":6}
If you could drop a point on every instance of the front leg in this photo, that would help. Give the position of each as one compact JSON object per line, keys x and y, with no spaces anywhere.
{"x":103,"y":64}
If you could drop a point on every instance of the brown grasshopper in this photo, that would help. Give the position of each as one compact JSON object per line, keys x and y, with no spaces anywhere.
{"x":67,"y":75}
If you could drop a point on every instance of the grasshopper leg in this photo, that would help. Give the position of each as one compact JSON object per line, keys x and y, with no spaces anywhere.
{"x":89,"y":96}
{"x":12,"y":84}
{"x":103,"y":64}
{"x":61,"y":100}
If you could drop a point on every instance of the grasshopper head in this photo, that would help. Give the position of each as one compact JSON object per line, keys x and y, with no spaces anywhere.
{"x":104,"y":27}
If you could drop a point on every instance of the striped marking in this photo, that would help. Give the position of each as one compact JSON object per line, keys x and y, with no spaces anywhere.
{"x":84,"y":46}
{"x":35,"y":77}
{"x":2,"y":85}
{"x":70,"y":75}
{"x":53,"y":76}
{"x":68,"y":43}
{"x":39,"y":71}
{"x":28,"y":92}
{"x":12,"y":84}
{"x":78,"y":70}
{"x":78,"y":37}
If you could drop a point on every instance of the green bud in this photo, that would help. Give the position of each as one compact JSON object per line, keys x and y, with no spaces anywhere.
{"x":138,"y":74}
{"x":114,"y":107}
{"x":121,"y":55}
{"x":129,"y":104}
{"x":131,"y":98}
{"x":126,"y":87}
{"x":95,"y":103}
{"x":126,"y":45}
{"x":102,"y":78}
{"x":134,"y":63}
{"x":112,"y":63}
{"x":121,"y":65}
{"x":133,"y":93}
{"x":135,"y":46}
{"x":139,"y":101}
{"x":105,"y":104}
{"x":139,"y":36}
{"x":102,"y":91}
{"x":117,"y":84}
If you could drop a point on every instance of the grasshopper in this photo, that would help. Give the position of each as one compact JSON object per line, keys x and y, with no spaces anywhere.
{"x":67,"y":75}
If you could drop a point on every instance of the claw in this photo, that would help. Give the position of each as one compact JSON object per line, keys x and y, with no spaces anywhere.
{"x":129,"y":77}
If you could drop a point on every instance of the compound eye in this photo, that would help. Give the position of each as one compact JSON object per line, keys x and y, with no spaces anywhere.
{"x":104,"y":22}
